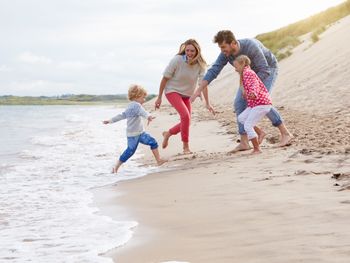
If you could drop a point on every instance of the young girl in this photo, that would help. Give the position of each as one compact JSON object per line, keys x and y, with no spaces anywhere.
{"x":178,"y":83}
{"x":258,"y":100}
{"x":135,"y":130}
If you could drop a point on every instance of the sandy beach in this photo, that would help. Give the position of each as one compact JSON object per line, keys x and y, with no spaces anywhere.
{"x":285,"y":205}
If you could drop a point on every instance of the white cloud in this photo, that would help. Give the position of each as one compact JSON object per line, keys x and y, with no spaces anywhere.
{"x":5,"y":68}
{"x":101,"y":46}
{"x":73,"y":65}
{"x":28,"y":57}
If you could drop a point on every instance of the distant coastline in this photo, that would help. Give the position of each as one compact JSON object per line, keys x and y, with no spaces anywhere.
{"x":71,"y":99}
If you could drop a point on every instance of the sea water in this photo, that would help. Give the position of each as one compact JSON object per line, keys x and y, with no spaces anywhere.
{"x":50,"y":159}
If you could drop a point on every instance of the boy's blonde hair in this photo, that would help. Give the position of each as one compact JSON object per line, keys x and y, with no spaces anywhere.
{"x":243,"y":60}
{"x":136,"y":91}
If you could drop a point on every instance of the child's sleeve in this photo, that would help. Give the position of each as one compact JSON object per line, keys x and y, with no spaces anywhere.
{"x":251,"y":83}
{"x":143,"y":112}
{"x":129,"y":112}
{"x":118,"y":117}
{"x":136,"y":109}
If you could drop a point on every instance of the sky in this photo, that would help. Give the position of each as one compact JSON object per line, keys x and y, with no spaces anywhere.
{"x":55,"y":47}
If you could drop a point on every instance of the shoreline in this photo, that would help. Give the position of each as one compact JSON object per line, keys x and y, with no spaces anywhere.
{"x":104,"y":197}
{"x":202,"y":205}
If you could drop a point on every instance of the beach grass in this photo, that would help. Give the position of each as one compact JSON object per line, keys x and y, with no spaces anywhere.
{"x":283,"y":40}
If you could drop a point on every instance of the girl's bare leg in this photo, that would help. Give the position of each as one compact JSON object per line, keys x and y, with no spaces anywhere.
{"x":256,"y":146}
{"x":261,"y":134}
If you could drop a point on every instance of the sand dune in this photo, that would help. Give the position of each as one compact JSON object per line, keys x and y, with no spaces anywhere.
{"x":317,"y":78}
{"x":312,"y":92}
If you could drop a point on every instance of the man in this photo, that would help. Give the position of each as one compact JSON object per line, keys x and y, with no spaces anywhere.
{"x":263,"y":62}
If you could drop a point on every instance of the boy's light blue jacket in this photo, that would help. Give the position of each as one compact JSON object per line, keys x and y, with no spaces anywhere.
{"x":134,"y":113}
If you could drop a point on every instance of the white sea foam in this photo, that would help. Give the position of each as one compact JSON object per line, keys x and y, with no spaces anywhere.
{"x":75,"y":118}
{"x":45,"y":212}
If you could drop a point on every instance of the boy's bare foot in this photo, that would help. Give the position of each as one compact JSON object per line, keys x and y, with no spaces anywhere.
{"x":261,"y":137}
{"x":116,"y":167}
{"x":166,"y":136}
{"x":161,"y":162}
{"x":240,"y":147}
{"x":258,"y":151}
{"x":286,"y":140}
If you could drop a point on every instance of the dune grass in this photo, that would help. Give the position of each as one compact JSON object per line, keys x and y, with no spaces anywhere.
{"x":283,"y":40}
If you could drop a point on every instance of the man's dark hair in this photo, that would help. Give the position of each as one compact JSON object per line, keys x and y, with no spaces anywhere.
{"x":224,"y":36}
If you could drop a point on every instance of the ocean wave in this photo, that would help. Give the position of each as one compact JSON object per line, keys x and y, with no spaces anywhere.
{"x":48,"y":215}
{"x":47,"y":140}
{"x":75,"y":118}
{"x":29,"y":155}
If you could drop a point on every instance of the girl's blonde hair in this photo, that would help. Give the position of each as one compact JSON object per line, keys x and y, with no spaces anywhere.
{"x":198,"y":58}
{"x":136,"y":91}
{"x":243,"y":60}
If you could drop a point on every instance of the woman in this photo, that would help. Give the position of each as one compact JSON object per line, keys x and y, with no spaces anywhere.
{"x":179,"y":82}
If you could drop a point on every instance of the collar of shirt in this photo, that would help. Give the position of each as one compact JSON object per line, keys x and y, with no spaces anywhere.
{"x":184,"y":57}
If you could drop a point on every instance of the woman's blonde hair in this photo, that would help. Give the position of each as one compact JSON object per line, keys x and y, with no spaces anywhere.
{"x":198,"y":58}
{"x":136,"y":91}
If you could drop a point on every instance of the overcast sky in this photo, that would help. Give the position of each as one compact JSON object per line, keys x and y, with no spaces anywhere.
{"x":53,"y":47}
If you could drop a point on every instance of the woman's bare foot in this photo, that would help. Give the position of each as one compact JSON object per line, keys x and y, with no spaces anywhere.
{"x":187,"y":151}
{"x":166,"y":136}
{"x":240,"y":147}
{"x":286,"y":140}
{"x":186,"y":148}
{"x":256,"y":151}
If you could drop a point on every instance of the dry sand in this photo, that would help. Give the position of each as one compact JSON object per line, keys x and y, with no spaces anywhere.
{"x":286,"y":205}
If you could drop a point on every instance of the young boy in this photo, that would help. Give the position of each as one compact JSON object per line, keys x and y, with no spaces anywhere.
{"x":135,"y":131}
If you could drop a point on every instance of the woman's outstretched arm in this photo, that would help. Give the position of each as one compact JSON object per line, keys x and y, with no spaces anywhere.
{"x":162,"y":84}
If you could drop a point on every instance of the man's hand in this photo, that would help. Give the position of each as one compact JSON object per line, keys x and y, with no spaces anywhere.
{"x":106,"y":122}
{"x":149,"y":119}
{"x":157,"y":103}
{"x":210,"y":108}
{"x":244,"y":94}
{"x":252,"y":96}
